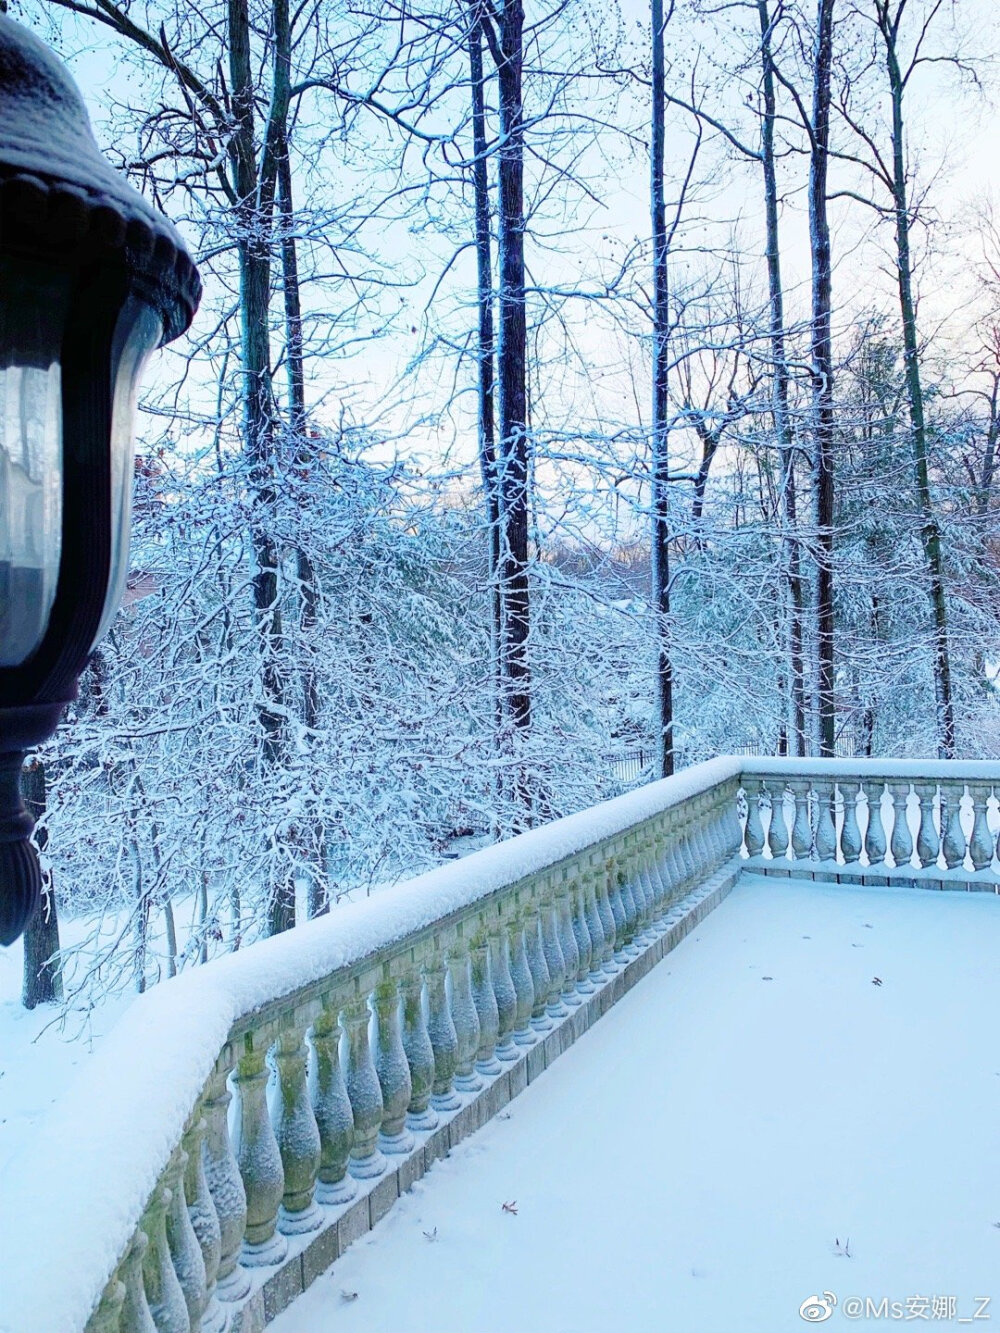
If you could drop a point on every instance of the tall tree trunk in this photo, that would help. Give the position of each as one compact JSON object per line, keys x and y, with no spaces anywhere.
{"x":797,"y":728}
{"x":822,"y":375}
{"x":42,"y":977}
{"x":486,"y":351}
{"x":512,"y":367}
{"x":709,"y":441}
{"x":305,"y":574}
{"x":253,"y":250}
{"x":930,"y":534}
{"x":660,"y":435}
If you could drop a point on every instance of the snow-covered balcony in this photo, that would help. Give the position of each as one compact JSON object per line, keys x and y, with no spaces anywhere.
{"x":796,"y":1111}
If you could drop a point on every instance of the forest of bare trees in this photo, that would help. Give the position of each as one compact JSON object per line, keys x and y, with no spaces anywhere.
{"x":571,"y":379}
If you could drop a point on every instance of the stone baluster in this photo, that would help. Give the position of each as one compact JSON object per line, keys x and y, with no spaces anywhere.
{"x":297,"y":1133}
{"x":595,"y":929}
{"x":582,"y":936}
{"x":654,"y":881}
{"x":364,"y":1090}
{"x":204,"y":1221}
{"x":727,"y":832}
{"x":980,"y":844}
{"x":667,"y":868}
{"x":540,"y":1020}
{"x":524,"y":986}
{"x":692,"y":853}
{"x":690,"y":870}
{"x":732,"y":827}
{"x":652,"y":889}
{"x":875,"y":840}
{"x":681,"y":816}
{"x":953,"y":842}
{"x":618,"y":914}
{"x":700,"y":841}
{"x":419,"y":1053}
{"x":631,"y":865}
{"x":901,"y":843}
{"x":608,"y":965}
{"x":163,"y":1290}
{"x":568,"y":945}
{"x":393,"y":1070}
{"x":636,"y":915}
{"x":506,"y":997}
{"x":826,"y":828}
{"x":753,"y":835}
{"x":465,"y":1018}
{"x":708,"y":829}
{"x":692,"y":843}
{"x":777,"y":832}
{"x":657,"y":843}
{"x":136,"y":1316}
{"x":259,"y":1159}
{"x":487,"y":1009}
{"x":801,"y":824}
{"x":850,"y":832}
{"x":185,"y":1252}
{"x":928,"y":838}
{"x":332,"y":1109}
{"x":444,"y":1042}
{"x":108,"y":1315}
{"x":225,"y":1184}
{"x":554,"y":960}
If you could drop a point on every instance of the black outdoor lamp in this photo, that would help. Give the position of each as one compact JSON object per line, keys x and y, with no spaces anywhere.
{"x":92,"y":279}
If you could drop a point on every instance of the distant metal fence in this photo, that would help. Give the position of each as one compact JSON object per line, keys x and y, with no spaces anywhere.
{"x":630,"y":766}
{"x":638,"y":764}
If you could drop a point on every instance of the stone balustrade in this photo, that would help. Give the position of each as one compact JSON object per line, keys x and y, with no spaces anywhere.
{"x":328,"y":1098}
{"x":931,"y":824}
{"x":246,"y":1122}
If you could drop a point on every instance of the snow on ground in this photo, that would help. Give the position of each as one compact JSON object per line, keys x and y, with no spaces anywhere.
{"x":39,"y":1053}
{"x":694,"y":1160}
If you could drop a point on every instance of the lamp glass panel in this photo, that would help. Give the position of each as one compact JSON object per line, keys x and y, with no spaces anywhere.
{"x":33,"y":303}
{"x":138,"y":333}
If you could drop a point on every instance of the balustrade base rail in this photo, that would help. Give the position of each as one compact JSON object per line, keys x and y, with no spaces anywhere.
{"x":311,"y":1255}
{"x":875,"y":876}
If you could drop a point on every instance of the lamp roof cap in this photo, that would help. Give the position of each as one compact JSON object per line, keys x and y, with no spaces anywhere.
{"x":60,"y":196}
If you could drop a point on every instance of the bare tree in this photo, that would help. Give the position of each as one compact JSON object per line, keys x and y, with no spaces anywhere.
{"x":660,"y":433}
{"x":888,"y":19}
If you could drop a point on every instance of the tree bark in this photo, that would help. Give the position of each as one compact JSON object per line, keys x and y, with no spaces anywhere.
{"x":42,"y":978}
{"x":512,"y":369}
{"x":822,"y":376}
{"x":797,"y":727}
{"x":930,"y":533}
{"x":318,"y":902}
{"x":255,"y":197}
{"x":485,"y":359}
{"x":660,"y":425}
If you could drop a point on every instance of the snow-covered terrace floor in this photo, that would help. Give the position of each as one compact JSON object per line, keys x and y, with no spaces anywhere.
{"x":692,"y":1162}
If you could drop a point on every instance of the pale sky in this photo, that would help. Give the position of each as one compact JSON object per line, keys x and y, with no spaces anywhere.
{"x":952,"y":139}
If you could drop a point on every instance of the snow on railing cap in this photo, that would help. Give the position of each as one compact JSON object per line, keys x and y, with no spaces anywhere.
{"x":902,"y":770}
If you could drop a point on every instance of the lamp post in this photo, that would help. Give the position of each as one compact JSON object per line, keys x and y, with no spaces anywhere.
{"x":92,"y":280}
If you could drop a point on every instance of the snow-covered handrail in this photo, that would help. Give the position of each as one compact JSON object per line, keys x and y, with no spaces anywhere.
{"x":879,"y":821}
{"x":137,"y":1208}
